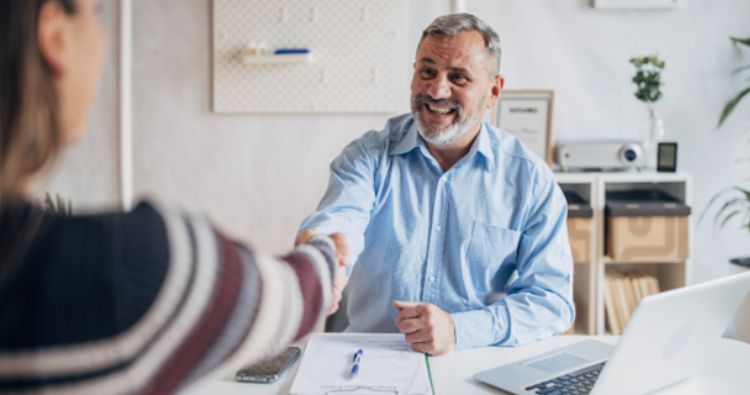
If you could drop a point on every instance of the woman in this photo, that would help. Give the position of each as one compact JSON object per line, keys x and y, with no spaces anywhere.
{"x":139,"y":302}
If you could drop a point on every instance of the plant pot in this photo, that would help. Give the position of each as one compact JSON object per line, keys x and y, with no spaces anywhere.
{"x":741,"y":325}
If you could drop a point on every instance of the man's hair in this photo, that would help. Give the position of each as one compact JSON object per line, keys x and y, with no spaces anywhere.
{"x":453,"y":24}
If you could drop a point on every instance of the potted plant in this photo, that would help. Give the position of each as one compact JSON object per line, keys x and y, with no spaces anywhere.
{"x":735,"y":205}
{"x":735,"y":200}
{"x":648,"y":83}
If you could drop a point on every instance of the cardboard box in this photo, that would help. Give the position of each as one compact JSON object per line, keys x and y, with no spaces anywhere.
{"x":646,"y":226}
{"x":580,"y":230}
{"x":580,"y":234}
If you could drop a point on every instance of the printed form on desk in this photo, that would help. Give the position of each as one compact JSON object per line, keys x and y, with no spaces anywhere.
{"x":387,"y":365}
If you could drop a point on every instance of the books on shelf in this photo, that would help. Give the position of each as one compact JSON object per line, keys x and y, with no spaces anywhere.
{"x":623,"y":291}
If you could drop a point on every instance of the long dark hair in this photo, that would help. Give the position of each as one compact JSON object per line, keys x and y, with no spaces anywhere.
{"x":30,"y":133}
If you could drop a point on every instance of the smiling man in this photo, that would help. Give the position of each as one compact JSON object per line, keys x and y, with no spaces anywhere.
{"x":456,"y":231}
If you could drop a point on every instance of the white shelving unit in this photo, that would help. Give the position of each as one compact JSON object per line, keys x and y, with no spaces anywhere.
{"x":589,"y":276}
{"x":585,"y":275}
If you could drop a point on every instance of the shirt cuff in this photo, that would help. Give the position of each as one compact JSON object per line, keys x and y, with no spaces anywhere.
{"x":476,"y":328}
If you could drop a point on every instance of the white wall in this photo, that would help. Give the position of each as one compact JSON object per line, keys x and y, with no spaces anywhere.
{"x":258,"y":176}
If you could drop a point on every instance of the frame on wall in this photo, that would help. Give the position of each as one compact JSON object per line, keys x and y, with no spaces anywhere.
{"x":528,"y":115}
{"x":326,"y":47}
{"x":635,"y":4}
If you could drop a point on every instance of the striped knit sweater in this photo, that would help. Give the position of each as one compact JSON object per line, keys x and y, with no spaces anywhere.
{"x":147,"y":301}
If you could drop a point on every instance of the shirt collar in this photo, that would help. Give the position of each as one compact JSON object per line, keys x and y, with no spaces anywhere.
{"x":481,"y":145}
{"x":408,"y":142}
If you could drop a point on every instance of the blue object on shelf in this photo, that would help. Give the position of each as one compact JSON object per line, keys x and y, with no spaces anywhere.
{"x":287,"y":51}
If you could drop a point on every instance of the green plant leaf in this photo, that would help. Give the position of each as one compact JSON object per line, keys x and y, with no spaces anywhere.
{"x":729,"y":107}
{"x":726,"y":206}
{"x":711,"y":203}
{"x":737,"y":202}
{"x":729,"y":217}
{"x":743,"y":41}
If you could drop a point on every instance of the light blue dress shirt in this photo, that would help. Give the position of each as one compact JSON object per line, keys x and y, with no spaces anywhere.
{"x":485,"y":241}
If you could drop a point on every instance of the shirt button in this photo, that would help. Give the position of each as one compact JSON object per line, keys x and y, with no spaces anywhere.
{"x":431,"y":279}
{"x":438,"y":228}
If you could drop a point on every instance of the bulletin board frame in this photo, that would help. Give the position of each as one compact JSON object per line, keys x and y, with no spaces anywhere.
{"x":357,"y":64}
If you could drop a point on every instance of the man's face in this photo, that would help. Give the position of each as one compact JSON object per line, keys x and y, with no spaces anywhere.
{"x":452,"y":86}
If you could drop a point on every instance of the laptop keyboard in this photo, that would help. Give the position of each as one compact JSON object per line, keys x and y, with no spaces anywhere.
{"x":578,"y":382}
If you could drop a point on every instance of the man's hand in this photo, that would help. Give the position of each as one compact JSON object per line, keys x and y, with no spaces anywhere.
{"x":304,"y":236}
{"x":339,"y":278}
{"x":427,"y":328}
{"x":342,"y":248}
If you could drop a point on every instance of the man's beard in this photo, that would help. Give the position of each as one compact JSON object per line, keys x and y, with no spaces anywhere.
{"x":460,"y":126}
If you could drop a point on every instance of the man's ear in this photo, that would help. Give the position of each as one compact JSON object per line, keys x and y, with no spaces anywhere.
{"x":495,"y":90}
{"x":53,"y":37}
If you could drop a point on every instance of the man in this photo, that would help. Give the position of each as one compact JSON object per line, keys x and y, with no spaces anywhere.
{"x":456,"y":231}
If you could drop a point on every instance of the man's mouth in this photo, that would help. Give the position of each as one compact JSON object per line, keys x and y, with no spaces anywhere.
{"x":438,"y":109}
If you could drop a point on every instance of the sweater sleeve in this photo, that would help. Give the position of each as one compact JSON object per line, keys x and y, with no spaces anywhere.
{"x":150,"y":300}
{"x":239,"y":305}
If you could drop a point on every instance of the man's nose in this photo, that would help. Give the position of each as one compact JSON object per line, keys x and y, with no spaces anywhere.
{"x":439,"y":88}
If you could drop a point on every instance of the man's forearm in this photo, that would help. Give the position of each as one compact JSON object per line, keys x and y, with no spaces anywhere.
{"x":517,"y":319}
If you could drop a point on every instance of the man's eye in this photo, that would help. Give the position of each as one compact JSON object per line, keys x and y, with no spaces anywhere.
{"x":427,"y":73}
{"x":458,"y":78}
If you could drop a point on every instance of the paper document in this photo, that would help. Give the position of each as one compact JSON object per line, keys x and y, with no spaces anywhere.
{"x":387,"y":365}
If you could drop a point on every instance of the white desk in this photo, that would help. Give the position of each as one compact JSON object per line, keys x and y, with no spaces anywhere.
{"x":453,"y":373}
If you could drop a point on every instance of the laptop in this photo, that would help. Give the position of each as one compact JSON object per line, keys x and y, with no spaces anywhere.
{"x":666,"y":341}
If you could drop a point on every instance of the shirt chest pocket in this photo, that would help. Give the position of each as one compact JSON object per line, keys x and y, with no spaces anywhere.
{"x":489,"y":247}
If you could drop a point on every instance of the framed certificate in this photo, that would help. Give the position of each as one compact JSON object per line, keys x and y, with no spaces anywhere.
{"x":528,"y":115}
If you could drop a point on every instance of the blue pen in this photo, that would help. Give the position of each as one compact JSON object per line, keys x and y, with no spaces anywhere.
{"x":291,"y":51}
{"x":355,"y":362}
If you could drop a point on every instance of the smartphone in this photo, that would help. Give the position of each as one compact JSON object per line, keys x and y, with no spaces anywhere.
{"x":269,"y":370}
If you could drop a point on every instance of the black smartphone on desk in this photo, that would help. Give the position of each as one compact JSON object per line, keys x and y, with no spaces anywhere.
{"x":269,"y":370}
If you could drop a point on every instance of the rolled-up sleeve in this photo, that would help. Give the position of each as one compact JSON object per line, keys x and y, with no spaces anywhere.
{"x":538,"y":303}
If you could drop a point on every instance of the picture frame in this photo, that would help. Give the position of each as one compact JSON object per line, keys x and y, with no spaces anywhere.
{"x":528,"y":115}
{"x":636,"y":4}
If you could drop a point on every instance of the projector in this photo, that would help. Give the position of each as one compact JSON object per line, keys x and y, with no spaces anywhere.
{"x":613,"y":155}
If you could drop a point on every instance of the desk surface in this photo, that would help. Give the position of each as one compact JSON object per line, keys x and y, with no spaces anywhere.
{"x":453,"y":373}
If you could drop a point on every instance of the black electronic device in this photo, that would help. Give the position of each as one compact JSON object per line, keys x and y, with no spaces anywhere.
{"x":269,"y":370}
{"x":667,"y":157}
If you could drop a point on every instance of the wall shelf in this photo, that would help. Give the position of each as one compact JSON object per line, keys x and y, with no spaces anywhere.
{"x":278,"y":59}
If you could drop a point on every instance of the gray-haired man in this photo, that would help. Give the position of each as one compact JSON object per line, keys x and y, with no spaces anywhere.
{"x":441,"y":209}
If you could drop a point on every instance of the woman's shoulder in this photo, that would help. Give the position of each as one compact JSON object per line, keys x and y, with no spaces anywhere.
{"x":105,"y":236}
{"x":89,"y":266}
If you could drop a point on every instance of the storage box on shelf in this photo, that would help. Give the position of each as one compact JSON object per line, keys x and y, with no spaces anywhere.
{"x":644,"y":245}
{"x":646,"y":225}
{"x":580,"y":226}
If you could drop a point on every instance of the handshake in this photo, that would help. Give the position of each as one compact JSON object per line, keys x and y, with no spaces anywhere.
{"x":428,"y":328}
{"x":339,"y":278}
